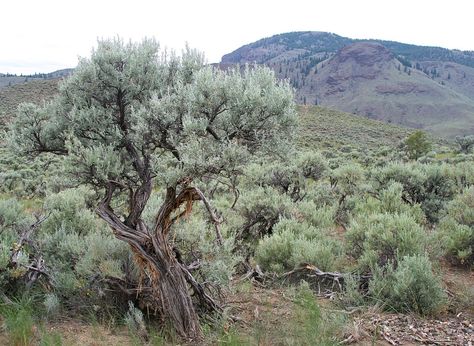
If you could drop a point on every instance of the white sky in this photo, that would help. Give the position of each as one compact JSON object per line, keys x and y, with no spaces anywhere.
{"x":47,"y":35}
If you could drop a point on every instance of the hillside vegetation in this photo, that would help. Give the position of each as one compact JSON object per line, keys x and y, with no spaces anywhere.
{"x":421,"y":87}
{"x":36,"y":91}
{"x":324,"y":128}
{"x":266,"y":208}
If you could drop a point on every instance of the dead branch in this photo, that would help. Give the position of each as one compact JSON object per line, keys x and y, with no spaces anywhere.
{"x":212,"y":215}
{"x":309,"y":271}
{"x":204,"y":299}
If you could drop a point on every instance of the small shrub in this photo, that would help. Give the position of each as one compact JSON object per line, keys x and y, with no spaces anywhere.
{"x":274,"y":252}
{"x":411,"y":287}
{"x":389,"y":200}
{"x":456,"y":230}
{"x":293,"y":243}
{"x":429,"y":185}
{"x":312,"y":165}
{"x":68,"y":209}
{"x":417,"y":145}
{"x":261,"y":208}
{"x":381,"y":238}
{"x":135,"y":322}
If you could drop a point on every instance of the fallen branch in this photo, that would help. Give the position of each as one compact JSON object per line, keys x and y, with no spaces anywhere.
{"x":333,"y":281}
{"x":387,"y":338}
{"x":310,"y":271}
{"x":254,"y":273}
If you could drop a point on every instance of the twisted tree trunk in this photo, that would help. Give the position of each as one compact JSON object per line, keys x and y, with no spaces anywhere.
{"x":169,"y":289}
{"x":162,"y":275}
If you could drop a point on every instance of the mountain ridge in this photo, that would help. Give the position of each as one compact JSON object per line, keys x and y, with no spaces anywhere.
{"x":384,"y":80}
{"x":320,"y":41}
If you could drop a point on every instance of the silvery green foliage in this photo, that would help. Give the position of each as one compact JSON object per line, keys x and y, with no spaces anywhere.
{"x":51,"y":303}
{"x":261,"y":208}
{"x":273,"y":190}
{"x":196,"y":240}
{"x":465,"y":143}
{"x":429,"y":185}
{"x":296,"y":242}
{"x":67,"y":209}
{"x":410,"y":287}
{"x":319,"y":216}
{"x":290,"y":176}
{"x":29,"y":177}
{"x":13,"y":221}
{"x":12,"y":216}
{"x":281,"y":177}
{"x":187,"y":119}
{"x":134,"y":320}
{"x":132,"y":119}
{"x":389,"y":200}
{"x":321,"y":194}
{"x":463,"y":174}
{"x":154,"y":203}
{"x":456,"y":229}
{"x":76,"y":245}
{"x":380,"y":238}
{"x":347,"y":182}
{"x":312,"y":165}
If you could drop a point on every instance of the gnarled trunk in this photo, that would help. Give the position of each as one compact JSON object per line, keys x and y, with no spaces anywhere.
{"x":168,"y":287}
{"x":162,"y":274}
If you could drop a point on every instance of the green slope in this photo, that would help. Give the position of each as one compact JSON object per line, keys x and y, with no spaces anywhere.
{"x":325,"y":128}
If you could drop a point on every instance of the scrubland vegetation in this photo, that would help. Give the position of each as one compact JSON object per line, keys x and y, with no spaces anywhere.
{"x":280,"y":188}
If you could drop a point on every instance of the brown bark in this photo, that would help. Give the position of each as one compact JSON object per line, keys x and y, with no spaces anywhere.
{"x":165,"y":280}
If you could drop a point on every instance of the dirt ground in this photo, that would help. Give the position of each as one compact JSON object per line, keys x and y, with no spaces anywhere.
{"x":266,"y":316}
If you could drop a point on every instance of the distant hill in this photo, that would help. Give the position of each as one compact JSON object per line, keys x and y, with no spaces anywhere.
{"x":7,"y":80}
{"x":421,"y":87}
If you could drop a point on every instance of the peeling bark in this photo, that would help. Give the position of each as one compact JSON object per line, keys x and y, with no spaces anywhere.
{"x":165,"y":280}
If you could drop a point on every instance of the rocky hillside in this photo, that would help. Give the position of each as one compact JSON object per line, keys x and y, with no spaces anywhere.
{"x":421,"y":87}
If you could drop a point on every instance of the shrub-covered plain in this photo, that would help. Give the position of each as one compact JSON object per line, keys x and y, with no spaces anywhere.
{"x":344,"y":194}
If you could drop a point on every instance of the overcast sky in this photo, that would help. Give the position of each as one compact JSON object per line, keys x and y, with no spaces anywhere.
{"x":47,"y":35}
